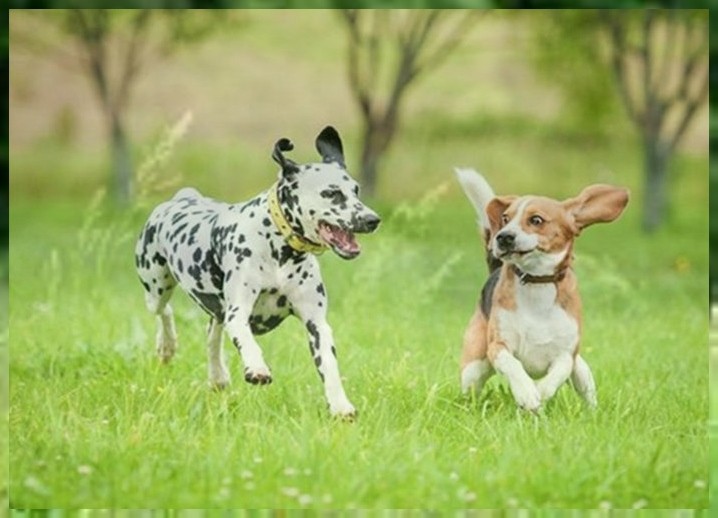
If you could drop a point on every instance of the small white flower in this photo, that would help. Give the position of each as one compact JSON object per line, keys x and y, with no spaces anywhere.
{"x":327,"y":498}
{"x":605,"y":504}
{"x":84,"y":469}
{"x":250,"y":486}
{"x":453,"y":476}
{"x":307,"y":471}
{"x":290,"y":491}
{"x":473,"y":449}
{"x":512,"y":502}
{"x":305,"y":499}
{"x":699,"y":484}
{"x":290,"y":472}
{"x":640,"y":504}
{"x":257,"y":459}
{"x":226,"y":481}
{"x":469,"y":496}
{"x":35,"y":484}
{"x":246,"y":474}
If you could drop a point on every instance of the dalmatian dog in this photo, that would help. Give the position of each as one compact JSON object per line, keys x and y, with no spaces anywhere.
{"x":249,"y":265}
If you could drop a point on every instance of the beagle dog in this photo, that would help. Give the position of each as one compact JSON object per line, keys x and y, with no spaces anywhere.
{"x":527,"y":325}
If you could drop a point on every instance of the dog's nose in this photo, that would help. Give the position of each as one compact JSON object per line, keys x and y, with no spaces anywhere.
{"x":505,"y":240}
{"x":371,"y":222}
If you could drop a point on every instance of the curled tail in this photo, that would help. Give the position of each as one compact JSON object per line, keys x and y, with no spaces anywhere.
{"x":480,"y":193}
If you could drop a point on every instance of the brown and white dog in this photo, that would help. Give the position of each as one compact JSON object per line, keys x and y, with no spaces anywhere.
{"x":527,"y":325}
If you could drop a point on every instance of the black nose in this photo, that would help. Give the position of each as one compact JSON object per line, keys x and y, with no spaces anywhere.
{"x":370,"y":222}
{"x":505,"y":240}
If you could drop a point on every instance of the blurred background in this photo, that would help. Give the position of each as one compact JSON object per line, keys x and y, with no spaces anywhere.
{"x":525,"y":96}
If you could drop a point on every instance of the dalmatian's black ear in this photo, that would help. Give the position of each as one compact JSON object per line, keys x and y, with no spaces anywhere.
{"x":330,"y":146}
{"x":288,"y":166}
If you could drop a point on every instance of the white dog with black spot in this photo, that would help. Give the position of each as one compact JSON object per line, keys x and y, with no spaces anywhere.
{"x":249,"y":265}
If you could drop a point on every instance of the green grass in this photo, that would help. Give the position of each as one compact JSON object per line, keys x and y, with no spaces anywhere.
{"x":96,"y":421}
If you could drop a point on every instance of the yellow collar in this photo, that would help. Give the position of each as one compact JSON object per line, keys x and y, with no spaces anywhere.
{"x":299,"y":243}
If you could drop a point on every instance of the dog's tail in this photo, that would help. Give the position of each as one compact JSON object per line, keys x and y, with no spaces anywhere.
{"x":480,"y":193}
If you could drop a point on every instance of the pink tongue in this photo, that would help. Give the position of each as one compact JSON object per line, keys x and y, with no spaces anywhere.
{"x":341,"y":239}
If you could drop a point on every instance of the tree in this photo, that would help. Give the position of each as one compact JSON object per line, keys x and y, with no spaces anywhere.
{"x":404,"y":44}
{"x":114,"y":47}
{"x":659,"y":62}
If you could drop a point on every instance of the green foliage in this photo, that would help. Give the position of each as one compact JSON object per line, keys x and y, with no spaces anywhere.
{"x":567,"y":54}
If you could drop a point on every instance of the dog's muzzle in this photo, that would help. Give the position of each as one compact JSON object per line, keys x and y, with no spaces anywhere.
{"x":505,"y":241}
{"x":341,"y":239}
{"x":367,"y":224}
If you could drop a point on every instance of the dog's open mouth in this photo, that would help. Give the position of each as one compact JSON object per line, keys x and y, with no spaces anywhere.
{"x":340,"y":240}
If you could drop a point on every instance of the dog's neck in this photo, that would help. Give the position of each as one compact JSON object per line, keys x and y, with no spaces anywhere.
{"x":291,"y":230}
{"x":526,"y":278}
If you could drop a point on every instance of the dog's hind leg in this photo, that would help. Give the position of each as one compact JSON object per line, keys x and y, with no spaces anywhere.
{"x":475,"y":366}
{"x":159,"y":285}
{"x":218,"y":374}
{"x":582,"y":380}
{"x":166,"y":338}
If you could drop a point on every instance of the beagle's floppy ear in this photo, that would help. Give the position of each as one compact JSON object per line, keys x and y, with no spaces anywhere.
{"x":495,"y":209}
{"x":329,"y":145}
{"x":597,"y":203}
{"x":288,"y":166}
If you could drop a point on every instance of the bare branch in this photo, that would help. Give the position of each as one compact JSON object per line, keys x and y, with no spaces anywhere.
{"x":619,"y":61}
{"x":131,"y":62}
{"x":91,"y":33}
{"x":356,"y":80}
{"x":692,"y":106}
{"x":456,"y":36}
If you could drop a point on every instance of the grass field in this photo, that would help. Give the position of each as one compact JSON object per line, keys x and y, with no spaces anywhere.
{"x":96,"y":421}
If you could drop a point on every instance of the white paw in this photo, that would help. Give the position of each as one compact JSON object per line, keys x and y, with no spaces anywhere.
{"x":590,"y":397}
{"x":343,"y":409}
{"x":546,"y":390}
{"x":258,"y":376}
{"x":166,"y":348}
{"x":527,"y":396}
{"x":219,"y":380}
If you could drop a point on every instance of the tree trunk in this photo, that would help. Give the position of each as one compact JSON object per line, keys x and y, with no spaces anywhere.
{"x":657,"y":156}
{"x":373,"y":148}
{"x":121,"y":182}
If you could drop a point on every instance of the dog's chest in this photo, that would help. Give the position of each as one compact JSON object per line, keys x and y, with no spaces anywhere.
{"x":539,"y":329}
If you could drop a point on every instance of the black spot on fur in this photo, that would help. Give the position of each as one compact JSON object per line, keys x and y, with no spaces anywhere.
{"x":211,"y":303}
{"x":157,"y":258}
{"x":178,"y":230}
{"x":149,"y":236}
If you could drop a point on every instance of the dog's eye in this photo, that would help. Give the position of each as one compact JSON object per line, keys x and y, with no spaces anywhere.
{"x":504,"y":218}
{"x":335,"y":195}
{"x":536,"y":220}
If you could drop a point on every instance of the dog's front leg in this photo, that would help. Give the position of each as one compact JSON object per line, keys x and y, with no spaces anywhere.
{"x":236,"y":322}
{"x":558,"y":372}
{"x":255,"y":369}
{"x":321,"y":345}
{"x":311,"y":308}
{"x":583,"y":381}
{"x":522,"y":386}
